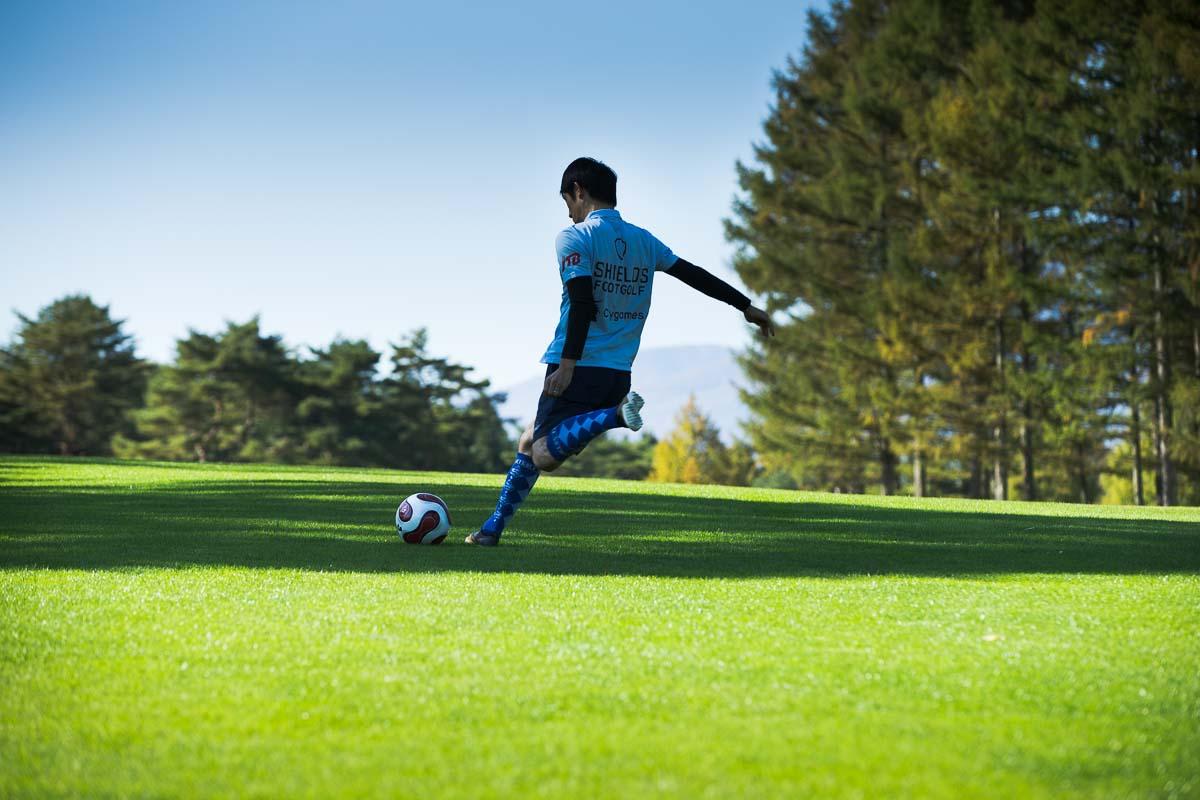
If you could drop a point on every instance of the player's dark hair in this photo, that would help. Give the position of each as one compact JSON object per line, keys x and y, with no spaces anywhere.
{"x":595,"y":176}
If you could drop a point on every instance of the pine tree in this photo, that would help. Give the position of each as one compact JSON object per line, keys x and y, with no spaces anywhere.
{"x":804,"y":422}
{"x":953,"y":203}
{"x":836,"y":229}
{"x":227,"y":397}
{"x":340,"y":408}
{"x":69,"y":381}
{"x":439,"y":418}
{"x":1134,"y":139}
{"x":818,"y":231}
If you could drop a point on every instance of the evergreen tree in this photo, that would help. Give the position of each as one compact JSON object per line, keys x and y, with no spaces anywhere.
{"x":227,"y":397}
{"x":981,"y":199}
{"x":438,"y":417}
{"x":69,"y":380}
{"x":817,"y":229}
{"x":340,"y":410}
{"x":805,"y":424}
{"x":953,"y":203}
{"x":826,"y":231}
{"x":1133,"y":137}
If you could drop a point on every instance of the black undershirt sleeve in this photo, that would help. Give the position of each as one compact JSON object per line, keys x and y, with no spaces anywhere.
{"x":579,"y":316}
{"x":704,"y":281}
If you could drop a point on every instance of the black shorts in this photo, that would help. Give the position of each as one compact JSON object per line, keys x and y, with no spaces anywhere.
{"x":591,"y":388}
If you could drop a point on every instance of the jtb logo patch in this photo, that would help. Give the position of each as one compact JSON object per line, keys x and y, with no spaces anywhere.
{"x":572,"y":260}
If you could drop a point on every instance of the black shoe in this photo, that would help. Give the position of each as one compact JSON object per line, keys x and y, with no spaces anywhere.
{"x":483,"y":539}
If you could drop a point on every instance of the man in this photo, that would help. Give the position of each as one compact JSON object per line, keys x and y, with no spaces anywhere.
{"x":607,"y":266}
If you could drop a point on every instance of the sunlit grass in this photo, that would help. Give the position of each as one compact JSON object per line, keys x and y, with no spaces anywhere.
{"x":188,"y":630}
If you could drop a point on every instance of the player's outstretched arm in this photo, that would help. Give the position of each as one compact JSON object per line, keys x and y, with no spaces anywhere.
{"x":704,"y":281}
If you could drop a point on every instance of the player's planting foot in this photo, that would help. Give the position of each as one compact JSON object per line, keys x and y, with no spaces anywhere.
{"x":631,"y":411}
{"x":483,"y":539}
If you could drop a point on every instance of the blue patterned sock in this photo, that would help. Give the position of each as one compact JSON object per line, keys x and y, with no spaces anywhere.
{"x":572,"y":435}
{"x":522,"y":475}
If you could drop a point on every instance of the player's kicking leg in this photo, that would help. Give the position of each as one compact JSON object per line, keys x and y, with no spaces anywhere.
{"x":572,"y":435}
{"x":564,"y":439}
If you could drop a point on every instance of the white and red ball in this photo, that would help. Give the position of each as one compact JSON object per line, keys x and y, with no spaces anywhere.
{"x":423,"y":518}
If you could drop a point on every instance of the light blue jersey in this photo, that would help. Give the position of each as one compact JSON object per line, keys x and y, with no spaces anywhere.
{"x":621,"y":258}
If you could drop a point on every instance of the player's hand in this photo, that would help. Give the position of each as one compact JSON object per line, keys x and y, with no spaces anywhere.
{"x":756,"y":316}
{"x":558,"y":381}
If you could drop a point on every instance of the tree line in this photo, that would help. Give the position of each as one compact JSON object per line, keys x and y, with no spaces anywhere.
{"x":71,"y":383}
{"x":979,"y":225}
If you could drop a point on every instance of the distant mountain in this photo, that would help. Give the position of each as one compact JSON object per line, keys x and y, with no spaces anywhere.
{"x":665,"y":376}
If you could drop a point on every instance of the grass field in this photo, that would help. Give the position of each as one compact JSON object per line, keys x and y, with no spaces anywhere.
{"x":189,"y":630}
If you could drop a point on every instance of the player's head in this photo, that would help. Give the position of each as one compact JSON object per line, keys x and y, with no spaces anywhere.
{"x":587,"y":184}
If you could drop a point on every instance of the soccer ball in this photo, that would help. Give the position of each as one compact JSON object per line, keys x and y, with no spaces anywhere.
{"x":423,"y":518}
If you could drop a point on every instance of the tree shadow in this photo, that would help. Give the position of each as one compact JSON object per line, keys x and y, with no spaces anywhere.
{"x":346,"y":526}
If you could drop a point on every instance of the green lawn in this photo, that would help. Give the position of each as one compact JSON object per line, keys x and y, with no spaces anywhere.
{"x":186,"y":630}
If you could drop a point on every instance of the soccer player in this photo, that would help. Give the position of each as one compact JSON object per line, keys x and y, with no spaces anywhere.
{"x":607,"y":266}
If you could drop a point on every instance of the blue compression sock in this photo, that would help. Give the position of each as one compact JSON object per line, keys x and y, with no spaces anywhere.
{"x":522,"y":475}
{"x":572,"y":435}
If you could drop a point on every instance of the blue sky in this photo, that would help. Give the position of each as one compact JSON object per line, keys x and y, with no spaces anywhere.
{"x":365,"y":168}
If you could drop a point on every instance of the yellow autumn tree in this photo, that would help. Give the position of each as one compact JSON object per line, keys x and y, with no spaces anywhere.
{"x":694,"y":453}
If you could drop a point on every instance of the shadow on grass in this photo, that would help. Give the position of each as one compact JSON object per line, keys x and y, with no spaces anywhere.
{"x":305,"y":524}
